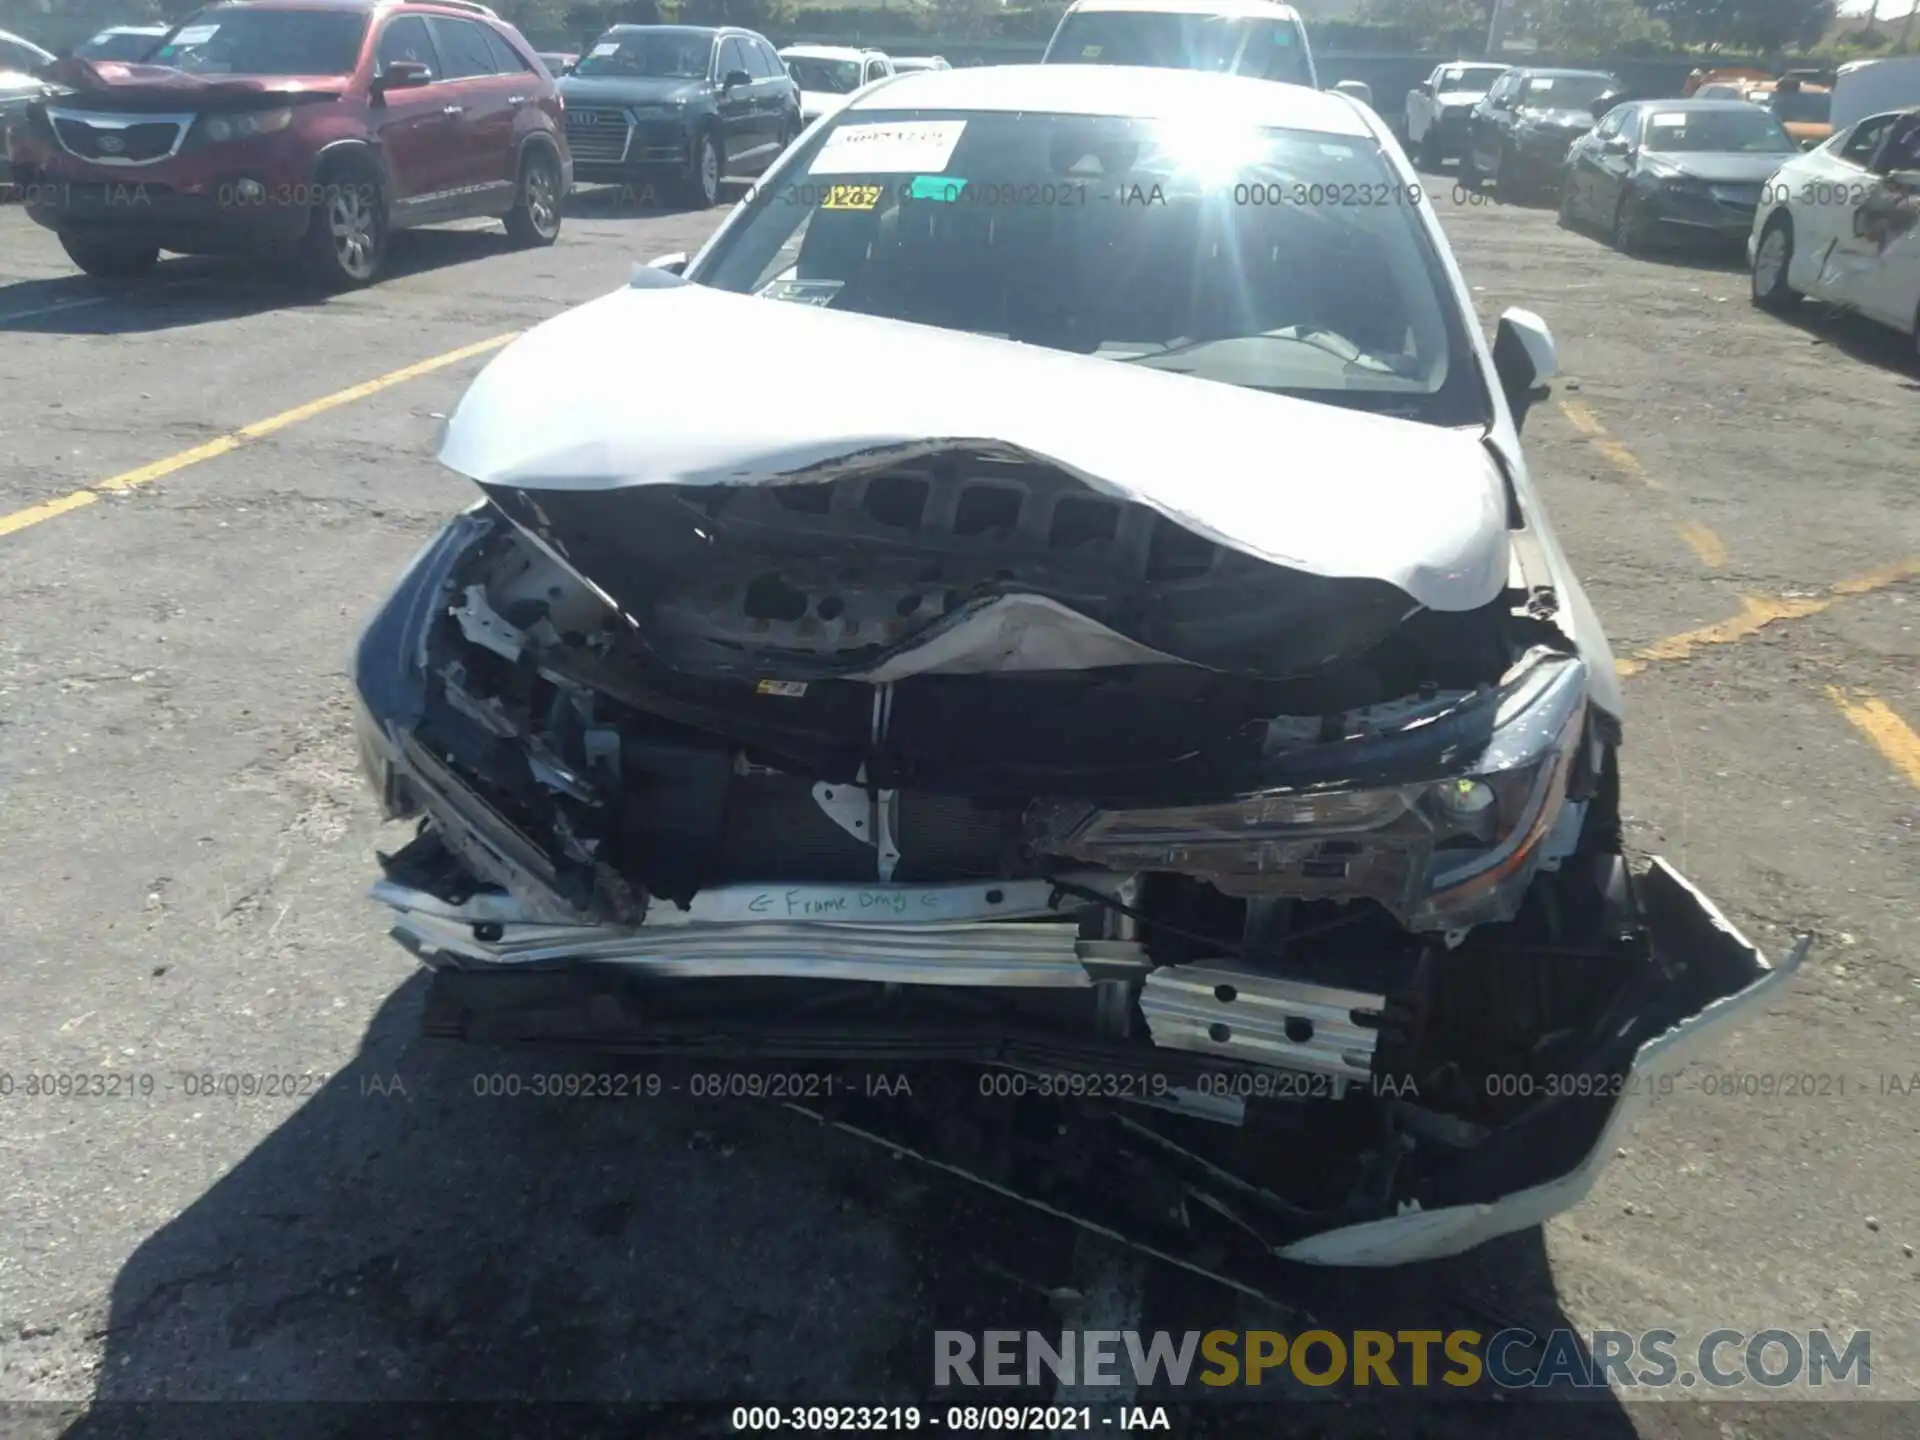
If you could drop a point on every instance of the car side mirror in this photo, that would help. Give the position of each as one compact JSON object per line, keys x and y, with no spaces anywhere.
{"x":1423,"y":88}
{"x":402,"y":75}
{"x":674,"y":264}
{"x":1617,"y":145}
{"x":1524,"y":360}
{"x":736,"y":77}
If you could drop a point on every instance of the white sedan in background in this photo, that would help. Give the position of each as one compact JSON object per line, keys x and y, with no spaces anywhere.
{"x":828,"y":74}
{"x":1842,"y":224}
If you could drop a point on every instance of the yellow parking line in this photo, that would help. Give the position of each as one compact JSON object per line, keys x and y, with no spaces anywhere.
{"x":1581,"y":418}
{"x":131,"y":479}
{"x":1705,"y":544}
{"x":1891,"y":735}
{"x":1757,"y":613}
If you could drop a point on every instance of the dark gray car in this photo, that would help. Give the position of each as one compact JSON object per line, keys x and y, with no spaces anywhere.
{"x":678,"y":107}
{"x":1674,"y":167}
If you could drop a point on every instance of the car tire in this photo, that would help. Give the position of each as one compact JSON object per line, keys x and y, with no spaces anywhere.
{"x":345,"y":247}
{"x":1430,"y":157}
{"x":1629,"y":227}
{"x":701,"y":183}
{"x":1469,"y":172}
{"x":109,"y":258}
{"x":1770,"y":288}
{"x":535,"y":221}
{"x":1566,"y":217}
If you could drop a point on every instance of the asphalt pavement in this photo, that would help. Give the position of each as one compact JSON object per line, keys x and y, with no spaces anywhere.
{"x":205,"y":485}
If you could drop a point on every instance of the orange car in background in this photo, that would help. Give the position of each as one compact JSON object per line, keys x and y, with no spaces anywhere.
{"x":1733,"y":75}
{"x":1806,"y":110}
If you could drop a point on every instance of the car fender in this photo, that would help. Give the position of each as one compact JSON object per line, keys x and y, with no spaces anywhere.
{"x":356,"y":148}
{"x":542,"y":139}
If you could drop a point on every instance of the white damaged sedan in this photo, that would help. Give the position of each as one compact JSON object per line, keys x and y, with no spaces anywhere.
{"x":1049,"y":604}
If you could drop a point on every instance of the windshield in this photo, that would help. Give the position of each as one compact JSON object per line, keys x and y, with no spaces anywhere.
{"x":1749,"y":129}
{"x":265,"y":42}
{"x":1478,"y":78}
{"x":832,"y":77}
{"x":1802,"y":107}
{"x":658,"y":54}
{"x":117,"y":47}
{"x":1564,"y":92}
{"x":1257,"y":258}
{"x":1265,"y":49}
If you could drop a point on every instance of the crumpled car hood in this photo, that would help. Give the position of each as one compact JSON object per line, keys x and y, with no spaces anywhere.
{"x":646,"y":386}
{"x":122,"y":80}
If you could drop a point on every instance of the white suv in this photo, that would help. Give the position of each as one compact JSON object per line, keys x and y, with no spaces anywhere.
{"x":1234,"y":37}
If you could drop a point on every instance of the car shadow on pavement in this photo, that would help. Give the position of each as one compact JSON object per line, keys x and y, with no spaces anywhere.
{"x":1858,"y":338}
{"x":201,"y":289}
{"x":411,"y":1233}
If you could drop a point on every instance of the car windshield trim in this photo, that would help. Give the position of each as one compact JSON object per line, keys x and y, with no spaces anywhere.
{"x":264,"y":40}
{"x":1097,"y":235}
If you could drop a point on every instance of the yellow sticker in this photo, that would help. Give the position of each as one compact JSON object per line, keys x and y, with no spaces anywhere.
{"x":791,"y":689}
{"x":851,"y":197}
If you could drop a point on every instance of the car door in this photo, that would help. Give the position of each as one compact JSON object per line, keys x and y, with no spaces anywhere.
{"x":738,"y":121}
{"x":1484,"y":127}
{"x":1827,"y":187}
{"x":483,"y":120}
{"x":414,"y":130}
{"x":784,"y":101}
{"x":1611,"y":151}
{"x":522,"y":84}
{"x":1421,"y":105}
{"x":1884,"y":238}
{"x":770,"y":91}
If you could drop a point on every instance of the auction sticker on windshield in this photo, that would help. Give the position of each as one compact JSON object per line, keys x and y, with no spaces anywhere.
{"x":887,"y":149}
{"x":194,"y":35}
{"x":610,"y":47}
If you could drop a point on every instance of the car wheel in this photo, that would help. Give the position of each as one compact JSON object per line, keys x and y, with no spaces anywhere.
{"x":535,"y":221}
{"x":702,"y":180}
{"x":1430,"y":157}
{"x":345,"y":246}
{"x":1469,"y":172}
{"x":110,"y":259}
{"x":1566,"y":204}
{"x":1770,"y":259}
{"x":1629,"y":227}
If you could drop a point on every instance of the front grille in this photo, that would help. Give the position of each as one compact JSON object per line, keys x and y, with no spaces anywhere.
{"x":598,"y":135}
{"x":119,"y":139}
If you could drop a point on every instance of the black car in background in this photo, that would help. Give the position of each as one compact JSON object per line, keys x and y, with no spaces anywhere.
{"x":1657,"y":168}
{"x":678,"y":106}
{"x":1520,"y":133}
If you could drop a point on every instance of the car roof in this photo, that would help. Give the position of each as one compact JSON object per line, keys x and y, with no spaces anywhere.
{"x":681,"y":29}
{"x":1739,"y":106}
{"x":827,"y":52}
{"x":1528,"y":72}
{"x":1268,"y":8}
{"x":1122,"y":91}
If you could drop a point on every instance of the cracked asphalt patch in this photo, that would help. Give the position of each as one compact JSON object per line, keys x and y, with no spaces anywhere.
{"x":184,"y":844}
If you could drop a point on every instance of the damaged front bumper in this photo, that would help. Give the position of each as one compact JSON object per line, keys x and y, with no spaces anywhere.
{"x":1229,"y":1138}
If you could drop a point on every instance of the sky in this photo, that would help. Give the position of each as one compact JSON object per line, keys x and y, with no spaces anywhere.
{"x":1885,"y":9}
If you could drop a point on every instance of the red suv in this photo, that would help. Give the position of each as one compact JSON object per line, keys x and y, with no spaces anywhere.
{"x":310,"y":129}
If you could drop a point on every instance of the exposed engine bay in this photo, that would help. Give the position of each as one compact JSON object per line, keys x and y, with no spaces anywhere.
{"x":767,"y":787}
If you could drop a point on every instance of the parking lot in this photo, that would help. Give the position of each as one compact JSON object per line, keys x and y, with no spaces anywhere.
{"x":207,"y":483}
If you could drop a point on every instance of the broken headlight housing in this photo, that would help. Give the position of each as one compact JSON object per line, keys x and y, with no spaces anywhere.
{"x":1442,"y":853}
